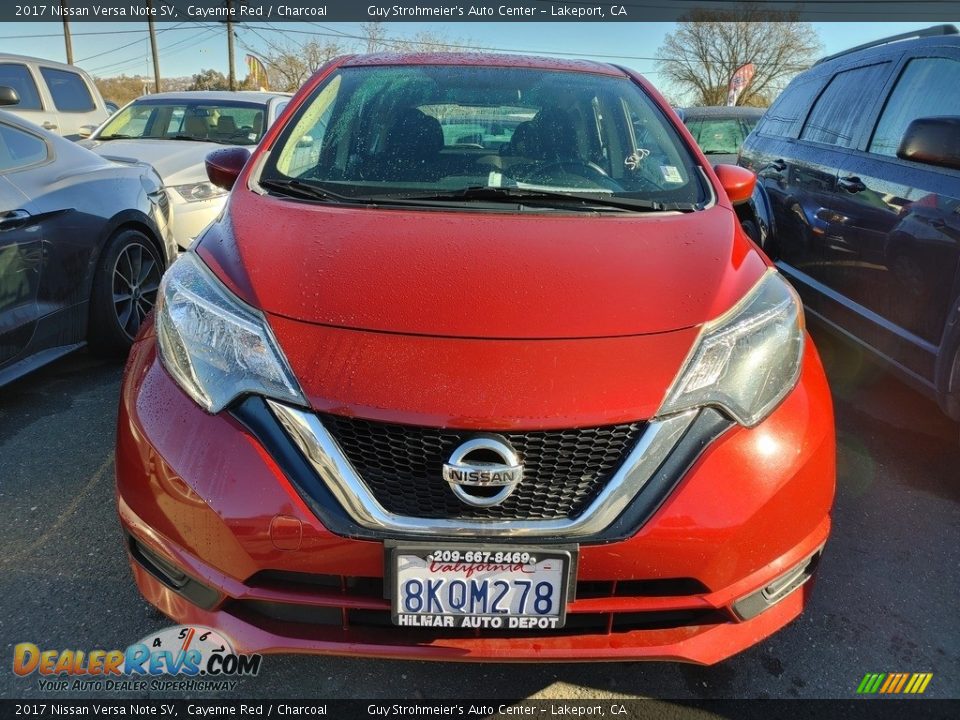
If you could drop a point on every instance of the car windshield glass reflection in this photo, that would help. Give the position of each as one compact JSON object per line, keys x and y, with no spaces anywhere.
{"x":720,"y":136}
{"x":431,"y":132}
{"x":228,"y":123}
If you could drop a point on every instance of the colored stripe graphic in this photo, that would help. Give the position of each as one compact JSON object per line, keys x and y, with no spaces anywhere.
{"x":894,"y":683}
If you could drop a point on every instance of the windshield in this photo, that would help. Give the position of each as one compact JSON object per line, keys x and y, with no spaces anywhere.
{"x":431,"y":131}
{"x":223,"y":122}
{"x":720,"y":136}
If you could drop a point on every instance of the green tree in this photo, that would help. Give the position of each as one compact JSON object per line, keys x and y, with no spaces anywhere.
{"x":209,"y":79}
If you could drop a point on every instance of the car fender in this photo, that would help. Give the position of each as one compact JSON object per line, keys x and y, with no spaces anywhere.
{"x":125,"y":218}
{"x":756,"y":215}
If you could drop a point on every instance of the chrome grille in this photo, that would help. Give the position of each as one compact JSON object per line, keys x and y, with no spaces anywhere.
{"x":564,"y":470}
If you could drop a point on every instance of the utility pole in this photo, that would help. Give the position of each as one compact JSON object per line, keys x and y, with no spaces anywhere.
{"x":66,"y":32}
{"x":153,"y":47}
{"x":232,"y":75}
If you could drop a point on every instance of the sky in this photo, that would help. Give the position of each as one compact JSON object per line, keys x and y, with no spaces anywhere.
{"x":107,"y":49}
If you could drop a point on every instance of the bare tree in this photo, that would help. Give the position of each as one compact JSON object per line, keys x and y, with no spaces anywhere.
{"x":289,"y":65}
{"x":702,"y":54}
{"x":376,"y":39}
{"x":374,"y":32}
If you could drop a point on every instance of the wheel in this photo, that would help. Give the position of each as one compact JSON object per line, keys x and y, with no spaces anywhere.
{"x":124,"y":291}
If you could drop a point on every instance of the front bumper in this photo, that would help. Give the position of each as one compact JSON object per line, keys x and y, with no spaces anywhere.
{"x":206,"y":507}
{"x":191,"y":218}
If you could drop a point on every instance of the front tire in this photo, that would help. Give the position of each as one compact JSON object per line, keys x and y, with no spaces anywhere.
{"x":124,"y":291}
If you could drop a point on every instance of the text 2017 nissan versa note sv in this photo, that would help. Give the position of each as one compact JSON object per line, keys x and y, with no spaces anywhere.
{"x":477,"y":364}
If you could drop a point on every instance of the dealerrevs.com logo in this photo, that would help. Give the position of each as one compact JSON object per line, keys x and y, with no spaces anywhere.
{"x":184,"y":657}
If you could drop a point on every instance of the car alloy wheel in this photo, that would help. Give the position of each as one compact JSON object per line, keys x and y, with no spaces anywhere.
{"x":136,"y":278}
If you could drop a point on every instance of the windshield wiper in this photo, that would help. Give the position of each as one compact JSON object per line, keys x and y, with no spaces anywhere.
{"x":115,"y":136}
{"x":539,"y":196}
{"x":295,"y":188}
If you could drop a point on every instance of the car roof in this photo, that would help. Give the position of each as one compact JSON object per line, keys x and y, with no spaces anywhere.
{"x":51,"y":138}
{"x":8,"y":57}
{"x":23,"y":123}
{"x":215,"y":95}
{"x":720,"y":111}
{"x":483,"y":60}
{"x":884,"y":48}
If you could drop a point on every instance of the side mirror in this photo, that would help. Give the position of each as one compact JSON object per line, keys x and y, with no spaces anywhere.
{"x":86,"y":131}
{"x":736,"y":181}
{"x":8,"y":96}
{"x":224,"y":166}
{"x":932,"y":141}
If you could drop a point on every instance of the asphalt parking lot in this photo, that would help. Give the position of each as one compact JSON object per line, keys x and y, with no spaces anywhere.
{"x":886,"y":599}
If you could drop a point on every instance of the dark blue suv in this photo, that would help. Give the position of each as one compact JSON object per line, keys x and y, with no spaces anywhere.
{"x":858,"y":200}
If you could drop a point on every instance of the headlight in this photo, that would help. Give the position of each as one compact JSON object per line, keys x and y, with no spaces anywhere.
{"x":195,"y":192}
{"x":746,"y":361}
{"x":216,"y":347}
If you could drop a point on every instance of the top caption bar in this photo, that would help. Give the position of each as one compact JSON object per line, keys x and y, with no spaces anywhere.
{"x":446,"y":11}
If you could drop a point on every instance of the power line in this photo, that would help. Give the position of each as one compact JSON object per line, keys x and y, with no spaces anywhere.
{"x":456,"y":46}
{"x":74,"y":34}
{"x":138,"y":59}
{"x":123,"y":47}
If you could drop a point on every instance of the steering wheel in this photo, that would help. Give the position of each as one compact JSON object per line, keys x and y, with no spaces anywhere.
{"x":580,"y":168}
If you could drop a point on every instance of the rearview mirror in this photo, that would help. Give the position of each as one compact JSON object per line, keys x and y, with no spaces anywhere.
{"x":224,"y":166}
{"x":305,"y":142}
{"x":736,"y":181}
{"x":8,"y":96}
{"x":932,"y":141}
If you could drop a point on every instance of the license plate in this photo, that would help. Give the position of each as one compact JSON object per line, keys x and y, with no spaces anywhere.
{"x":488,"y":588}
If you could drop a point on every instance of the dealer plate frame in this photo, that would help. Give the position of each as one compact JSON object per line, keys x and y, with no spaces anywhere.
{"x":570,"y":553}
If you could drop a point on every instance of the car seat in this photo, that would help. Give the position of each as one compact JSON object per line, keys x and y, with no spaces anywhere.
{"x":412,"y":146}
{"x":227,"y":126}
{"x":196,"y":126}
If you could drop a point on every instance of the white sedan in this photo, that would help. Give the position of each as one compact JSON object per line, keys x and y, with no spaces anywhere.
{"x":174,"y":132}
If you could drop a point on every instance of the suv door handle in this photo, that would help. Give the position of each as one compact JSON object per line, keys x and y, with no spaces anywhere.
{"x":778,"y":165}
{"x":13,"y":219}
{"x":49,"y":125}
{"x":852,"y":184}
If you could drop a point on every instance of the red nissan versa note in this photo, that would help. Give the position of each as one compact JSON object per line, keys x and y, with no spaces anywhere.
{"x":477,"y":365}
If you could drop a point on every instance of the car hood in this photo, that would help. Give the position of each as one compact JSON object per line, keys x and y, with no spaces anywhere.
{"x":722,"y":159}
{"x":176,"y":161}
{"x":482,"y":274}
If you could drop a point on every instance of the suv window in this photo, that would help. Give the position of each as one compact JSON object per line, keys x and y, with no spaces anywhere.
{"x":69,"y":91}
{"x":19,"y":149}
{"x":788,"y":112}
{"x":19,"y":78}
{"x":838,"y":112}
{"x":923,"y":90}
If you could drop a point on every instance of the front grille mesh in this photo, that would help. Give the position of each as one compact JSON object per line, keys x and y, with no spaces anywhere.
{"x":564,"y":470}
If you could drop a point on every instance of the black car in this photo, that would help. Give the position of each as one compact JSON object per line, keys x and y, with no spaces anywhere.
{"x":858,"y":200}
{"x":83,"y":242}
{"x":720,"y":131}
